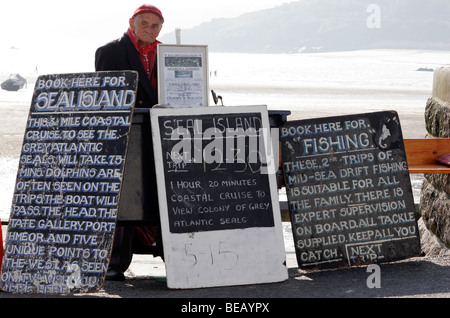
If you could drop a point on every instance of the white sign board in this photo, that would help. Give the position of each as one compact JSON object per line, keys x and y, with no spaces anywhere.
{"x":182,"y":75}
{"x":220,"y":215}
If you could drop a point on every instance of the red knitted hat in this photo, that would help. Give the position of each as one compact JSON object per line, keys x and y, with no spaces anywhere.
{"x":148,"y":8}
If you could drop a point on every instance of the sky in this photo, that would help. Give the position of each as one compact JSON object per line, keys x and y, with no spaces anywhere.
{"x":49,"y":23}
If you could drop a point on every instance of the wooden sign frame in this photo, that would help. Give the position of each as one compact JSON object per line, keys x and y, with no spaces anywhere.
{"x":220,"y":220}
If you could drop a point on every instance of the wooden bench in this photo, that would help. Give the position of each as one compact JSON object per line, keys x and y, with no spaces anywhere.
{"x":421,"y":155}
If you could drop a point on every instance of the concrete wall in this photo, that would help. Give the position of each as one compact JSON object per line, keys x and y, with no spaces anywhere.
{"x":435,"y":193}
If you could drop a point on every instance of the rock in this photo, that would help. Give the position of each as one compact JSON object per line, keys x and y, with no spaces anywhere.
{"x":14,"y":83}
{"x":435,"y":193}
{"x":437,"y":118}
{"x":435,"y":208}
{"x":431,"y":245}
{"x":425,"y":69}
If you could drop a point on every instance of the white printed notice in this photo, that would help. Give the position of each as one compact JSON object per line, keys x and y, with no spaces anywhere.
{"x":183,"y":77}
{"x":65,"y":201}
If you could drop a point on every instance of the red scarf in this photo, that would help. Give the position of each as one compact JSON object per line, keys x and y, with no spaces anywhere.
{"x":147,"y":55}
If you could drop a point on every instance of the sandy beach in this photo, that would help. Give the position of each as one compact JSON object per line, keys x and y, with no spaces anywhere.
{"x":14,"y":114}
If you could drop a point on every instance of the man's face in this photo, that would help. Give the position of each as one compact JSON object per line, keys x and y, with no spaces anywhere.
{"x":146,"y":26}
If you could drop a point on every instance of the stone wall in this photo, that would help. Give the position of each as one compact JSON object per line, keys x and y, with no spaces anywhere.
{"x":435,"y":193}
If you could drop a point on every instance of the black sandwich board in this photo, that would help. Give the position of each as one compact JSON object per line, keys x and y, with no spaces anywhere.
{"x":218,"y":198}
{"x":349,"y":190}
{"x":68,"y":184}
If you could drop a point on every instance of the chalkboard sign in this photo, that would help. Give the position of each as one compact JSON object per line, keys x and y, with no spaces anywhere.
{"x":218,"y":198}
{"x":68,"y":184}
{"x":349,"y":190}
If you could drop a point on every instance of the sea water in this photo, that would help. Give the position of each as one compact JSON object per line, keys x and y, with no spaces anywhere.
{"x":308,"y":85}
{"x":329,"y":83}
{"x":321,"y":82}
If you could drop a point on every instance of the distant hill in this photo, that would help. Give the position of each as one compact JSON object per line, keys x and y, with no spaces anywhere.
{"x":328,"y":25}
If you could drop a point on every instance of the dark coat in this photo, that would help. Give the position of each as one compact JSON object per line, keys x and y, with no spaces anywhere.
{"x":121,"y":55}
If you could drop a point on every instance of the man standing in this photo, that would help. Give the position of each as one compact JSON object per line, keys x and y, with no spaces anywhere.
{"x":136,"y":50}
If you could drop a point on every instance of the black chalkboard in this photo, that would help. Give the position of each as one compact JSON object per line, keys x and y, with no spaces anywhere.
{"x":66,"y":196}
{"x":349,"y":190}
{"x":218,"y":199}
{"x":217,"y":193}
